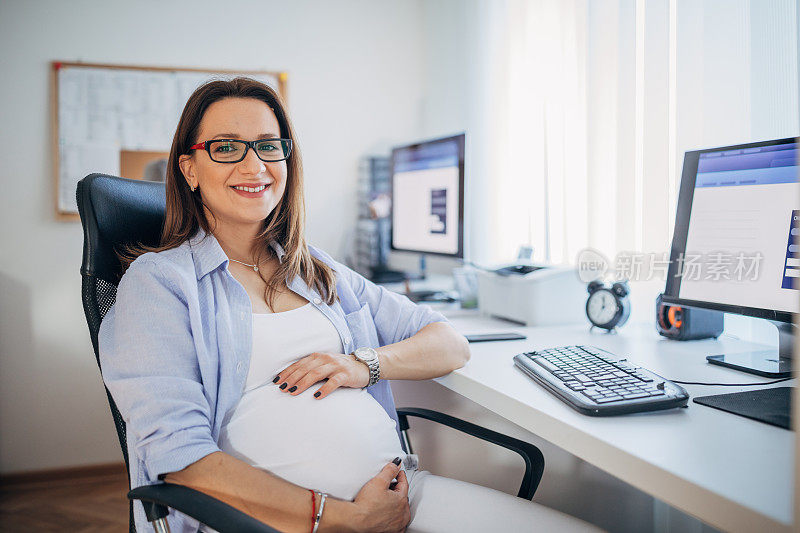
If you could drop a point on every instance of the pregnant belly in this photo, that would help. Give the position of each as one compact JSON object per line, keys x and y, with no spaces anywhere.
{"x":335,"y":444}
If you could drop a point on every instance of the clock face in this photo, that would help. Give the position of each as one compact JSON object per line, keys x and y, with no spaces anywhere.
{"x":601,"y":307}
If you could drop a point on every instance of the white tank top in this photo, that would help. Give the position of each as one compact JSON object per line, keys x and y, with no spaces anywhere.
{"x":334,"y":444}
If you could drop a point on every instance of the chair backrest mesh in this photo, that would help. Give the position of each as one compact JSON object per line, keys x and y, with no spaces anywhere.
{"x":98,"y":297}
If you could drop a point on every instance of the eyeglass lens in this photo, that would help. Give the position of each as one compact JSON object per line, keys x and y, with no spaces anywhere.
{"x":234,"y":151}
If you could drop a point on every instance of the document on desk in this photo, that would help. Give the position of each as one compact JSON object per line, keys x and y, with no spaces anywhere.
{"x":488,"y":337}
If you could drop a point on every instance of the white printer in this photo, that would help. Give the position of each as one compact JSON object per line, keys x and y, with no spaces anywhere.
{"x":533,"y":294}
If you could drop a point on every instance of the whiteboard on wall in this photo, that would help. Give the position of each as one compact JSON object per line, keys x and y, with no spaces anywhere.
{"x":104,"y":111}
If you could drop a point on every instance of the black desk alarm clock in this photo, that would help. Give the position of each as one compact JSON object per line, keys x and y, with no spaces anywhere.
{"x":608,"y":307}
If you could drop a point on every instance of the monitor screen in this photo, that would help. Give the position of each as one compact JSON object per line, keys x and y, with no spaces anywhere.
{"x":737,"y":218}
{"x":428,"y":197}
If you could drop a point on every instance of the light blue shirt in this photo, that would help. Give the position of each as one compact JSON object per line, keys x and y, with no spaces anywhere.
{"x":175,"y":350}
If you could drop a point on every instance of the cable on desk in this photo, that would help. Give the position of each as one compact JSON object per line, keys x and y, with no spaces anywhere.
{"x":729,"y":384}
{"x":475,"y":265}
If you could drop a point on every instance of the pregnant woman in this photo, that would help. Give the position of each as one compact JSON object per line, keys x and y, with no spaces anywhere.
{"x":249,"y":365}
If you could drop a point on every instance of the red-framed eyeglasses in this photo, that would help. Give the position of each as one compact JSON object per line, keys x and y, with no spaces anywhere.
{"x":235,"y":150}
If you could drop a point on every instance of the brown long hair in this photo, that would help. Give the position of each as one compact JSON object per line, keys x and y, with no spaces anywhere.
{"x":285,"y":224}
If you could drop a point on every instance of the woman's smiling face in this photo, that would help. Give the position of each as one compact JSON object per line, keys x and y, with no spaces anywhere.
{"x":247,"y":119}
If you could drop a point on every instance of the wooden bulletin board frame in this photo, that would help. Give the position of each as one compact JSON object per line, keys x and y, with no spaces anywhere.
{"x":57,"y":66}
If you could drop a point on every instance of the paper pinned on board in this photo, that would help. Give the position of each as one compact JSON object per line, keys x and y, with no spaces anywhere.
{"x":78,"y":161}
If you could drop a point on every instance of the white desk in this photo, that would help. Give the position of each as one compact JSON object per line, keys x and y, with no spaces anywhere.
{"x":733,"y":473}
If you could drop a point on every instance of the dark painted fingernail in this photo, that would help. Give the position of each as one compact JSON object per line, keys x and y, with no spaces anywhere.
{"x":396,"y":460}
{"x":283,"y":386}
{"x":294,"y":388}
{"x":276,"y":379}
{"x":316,"y":394}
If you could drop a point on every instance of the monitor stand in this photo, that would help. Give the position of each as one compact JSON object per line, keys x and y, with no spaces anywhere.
{"x":767,"y":363}
{"x":382,"y":274}
{"x":422,"y":273}
{"x":423,"y":268}
{"x":425,"y":295}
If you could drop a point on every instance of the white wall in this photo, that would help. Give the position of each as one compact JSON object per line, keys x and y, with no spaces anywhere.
{"x":355,"y":88}
{"x":460,"y":38}
{"x":445,"y":104}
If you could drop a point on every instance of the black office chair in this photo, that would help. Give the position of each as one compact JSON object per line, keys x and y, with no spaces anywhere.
{"x":117,"y":212}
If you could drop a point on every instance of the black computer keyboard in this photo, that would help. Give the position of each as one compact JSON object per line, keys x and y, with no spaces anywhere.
{"x":598,"y":383}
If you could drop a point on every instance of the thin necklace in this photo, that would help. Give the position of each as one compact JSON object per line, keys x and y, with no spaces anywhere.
{"x":254,"y":267}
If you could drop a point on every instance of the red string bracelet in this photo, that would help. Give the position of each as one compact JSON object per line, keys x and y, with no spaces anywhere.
{"x":313,"y":507}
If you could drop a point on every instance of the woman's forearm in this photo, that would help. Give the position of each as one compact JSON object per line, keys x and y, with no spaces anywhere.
{"x":266,"y":497}
{"x":434,"y":351}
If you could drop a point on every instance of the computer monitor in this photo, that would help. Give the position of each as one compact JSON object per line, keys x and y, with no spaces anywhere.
{"x":733,"y":248}
{"x":428,"y":197}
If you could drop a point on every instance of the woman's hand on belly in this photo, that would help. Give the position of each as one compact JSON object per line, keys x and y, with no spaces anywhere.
{"x":338,"y":369}
{"x":383,"y":505}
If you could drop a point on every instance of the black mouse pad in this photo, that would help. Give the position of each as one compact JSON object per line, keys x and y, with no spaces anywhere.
{"x":765,"y":405}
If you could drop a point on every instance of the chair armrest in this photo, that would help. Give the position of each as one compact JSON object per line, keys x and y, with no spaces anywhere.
{"x":534,"y":460}
{"x":209,"y":511}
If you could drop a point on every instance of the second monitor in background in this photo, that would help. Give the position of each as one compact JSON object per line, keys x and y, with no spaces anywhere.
{"x":428,"y":198}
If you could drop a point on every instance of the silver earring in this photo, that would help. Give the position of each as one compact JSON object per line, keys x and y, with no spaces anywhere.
{"x":192,"y":188}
